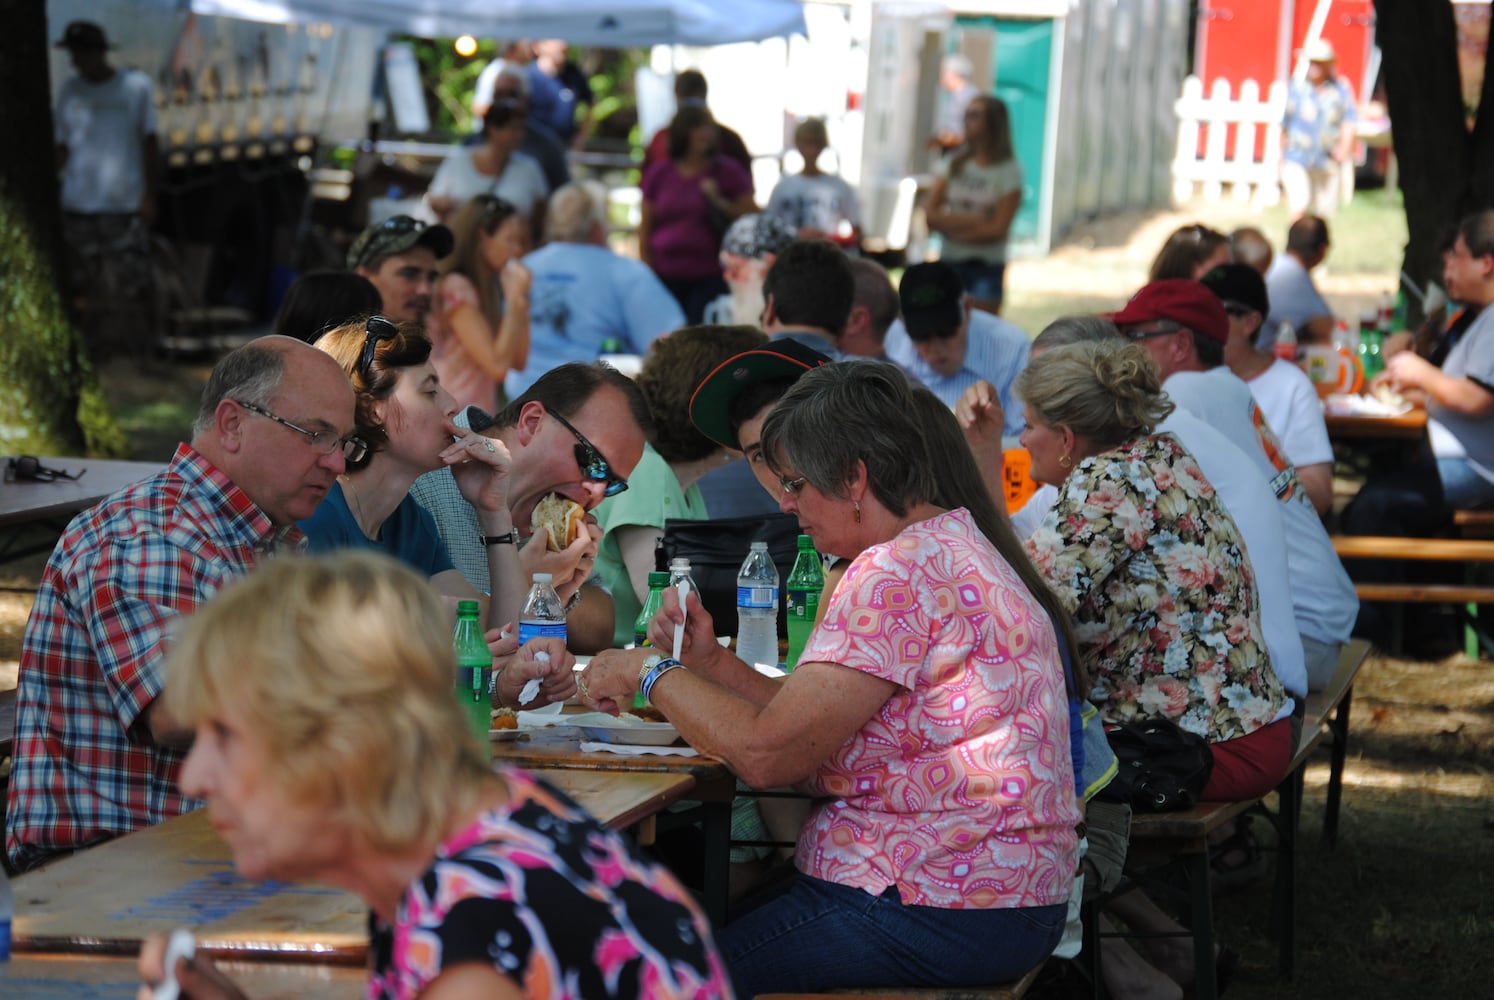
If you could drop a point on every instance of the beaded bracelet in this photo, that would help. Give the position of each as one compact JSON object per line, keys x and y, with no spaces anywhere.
{"x":660,"y":669}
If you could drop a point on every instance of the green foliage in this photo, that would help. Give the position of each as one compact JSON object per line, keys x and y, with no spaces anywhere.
{"x":50,"y":402}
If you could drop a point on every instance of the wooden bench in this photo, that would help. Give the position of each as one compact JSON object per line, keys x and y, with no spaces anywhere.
{"x":1010,"y":991}
{"x":1474,"y":523}
{"x":1183,"y":837}
{"x":1471,"y":553}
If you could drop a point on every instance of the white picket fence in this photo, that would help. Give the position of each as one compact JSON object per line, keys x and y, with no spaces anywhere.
{"x":1229,"y":154}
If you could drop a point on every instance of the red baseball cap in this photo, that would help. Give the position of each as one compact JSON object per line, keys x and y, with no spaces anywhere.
{"x":1185,"y":302}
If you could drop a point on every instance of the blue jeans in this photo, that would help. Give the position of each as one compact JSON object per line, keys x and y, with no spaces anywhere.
{"x":980,"y":279}
{"x":820,"y":935}
{"x":1462,"y":486}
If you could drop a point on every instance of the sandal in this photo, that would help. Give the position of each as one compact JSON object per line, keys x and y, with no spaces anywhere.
{"x":1237,"y":860}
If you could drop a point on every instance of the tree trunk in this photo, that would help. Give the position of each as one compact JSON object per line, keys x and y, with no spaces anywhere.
{"x":49,"y":397}
{"x":1445,"y":170}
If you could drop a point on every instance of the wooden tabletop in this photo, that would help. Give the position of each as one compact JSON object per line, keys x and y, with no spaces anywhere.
{"x":1408,"y":426}
{"x":560,"y":748}
{"x":180,"y":873}
{"x":83,"y":977}
{"x":22,"y":502}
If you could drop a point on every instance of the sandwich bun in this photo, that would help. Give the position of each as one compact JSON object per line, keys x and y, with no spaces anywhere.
{"x":558,"y":520}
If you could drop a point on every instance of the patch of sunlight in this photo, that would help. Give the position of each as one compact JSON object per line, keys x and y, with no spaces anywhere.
{"x":1359,"y":774}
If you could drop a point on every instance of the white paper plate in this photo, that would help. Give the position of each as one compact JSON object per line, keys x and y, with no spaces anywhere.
{"x":645,"y":734}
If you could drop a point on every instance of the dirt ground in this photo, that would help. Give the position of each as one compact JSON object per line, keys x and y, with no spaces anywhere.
{"x":1403,"y":906}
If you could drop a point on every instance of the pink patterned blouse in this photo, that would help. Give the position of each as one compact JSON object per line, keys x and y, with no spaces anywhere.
{"x":961,"y":790}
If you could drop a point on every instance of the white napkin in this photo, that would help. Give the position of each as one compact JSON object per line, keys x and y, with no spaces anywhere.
{"x":625,"y":750}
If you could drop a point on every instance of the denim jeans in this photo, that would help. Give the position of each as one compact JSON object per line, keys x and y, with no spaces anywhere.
{"x":821,"y":935}
{"x":980,"y":279}
{"x":1462,"y":486}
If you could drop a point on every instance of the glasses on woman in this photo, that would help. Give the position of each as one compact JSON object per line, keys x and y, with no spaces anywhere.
{"x":591,"y":463}
{"x":494,"y":209}
{"x":791,"y":487}
{"x":324,"y":442}
{"x":375,"y":330}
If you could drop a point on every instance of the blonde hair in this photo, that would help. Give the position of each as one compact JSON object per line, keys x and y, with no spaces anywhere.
{"x":574,"y":210}
{"x":343,"y":664}
{"x":812,"y":130}
{"x":1108,"y":391}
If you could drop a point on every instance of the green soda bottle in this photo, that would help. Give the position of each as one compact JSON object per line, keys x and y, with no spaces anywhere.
{"x":658,"y":582}
{"x":805,"y":582}
{"x":474,"y":671}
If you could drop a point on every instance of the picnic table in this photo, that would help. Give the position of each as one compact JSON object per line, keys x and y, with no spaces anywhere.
{"x":714,"y":787}
{"x":109,"y":898}
{"x":1358,"y":427}
{"x":27,"y":503}
{"x":83,"y":977}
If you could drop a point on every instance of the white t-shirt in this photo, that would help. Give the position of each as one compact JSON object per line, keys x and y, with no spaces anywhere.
{"x":1290,"y":402}
{"x":522,"y":182}
{"x":823,"y":202}
{"x":102,"y":125}
{"x":976,"y":191}
{"x":1322,"y":593}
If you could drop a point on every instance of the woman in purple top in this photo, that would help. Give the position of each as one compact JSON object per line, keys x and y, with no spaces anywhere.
{"x":688,"y":201}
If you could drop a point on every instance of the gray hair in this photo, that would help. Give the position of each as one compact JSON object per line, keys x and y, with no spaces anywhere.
{"x":248,"y":375}
{"x":574,"y":209}
{"x":1108,"y":391}
{"x":847,"y":412}
{"x":1066,"y":330}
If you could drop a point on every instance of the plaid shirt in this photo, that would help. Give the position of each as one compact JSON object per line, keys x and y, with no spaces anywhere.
{"x":85,"y":768}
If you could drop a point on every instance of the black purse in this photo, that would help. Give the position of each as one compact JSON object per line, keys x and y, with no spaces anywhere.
{"x":1160,"y":768}
{"x":716,"y":549}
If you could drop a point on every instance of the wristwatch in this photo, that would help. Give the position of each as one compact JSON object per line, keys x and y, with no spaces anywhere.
{"x":649,"y":662}
{"x":510,"y":537}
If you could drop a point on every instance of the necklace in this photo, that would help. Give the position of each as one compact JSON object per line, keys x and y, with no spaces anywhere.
{"x":349,"y":489}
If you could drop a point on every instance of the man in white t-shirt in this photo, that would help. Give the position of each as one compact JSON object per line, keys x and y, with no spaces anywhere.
{"x":105,"y":126}
{"x":1184,"y":328}
{"x":1285,"y":394}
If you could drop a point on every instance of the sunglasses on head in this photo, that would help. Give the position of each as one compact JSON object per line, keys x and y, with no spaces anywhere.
{"x":376,"y":329}
{"x":590,"y":461}
{"x":28,"y":468}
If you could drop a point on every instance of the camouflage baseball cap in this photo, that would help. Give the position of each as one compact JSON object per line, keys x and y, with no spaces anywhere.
{"x":397,"y":234}
{"x":756,"y":235}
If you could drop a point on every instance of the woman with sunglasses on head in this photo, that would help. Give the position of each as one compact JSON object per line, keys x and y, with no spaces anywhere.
{"x":494,"y":167}
{"x":479,"y":328}
{"x":927,"y":716}
{"x":405,"y":417}
{"x":974,"y":200}
{"x":1191,"y":252}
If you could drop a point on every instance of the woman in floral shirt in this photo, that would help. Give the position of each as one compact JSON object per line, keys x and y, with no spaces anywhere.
{"x":1145,"y":557}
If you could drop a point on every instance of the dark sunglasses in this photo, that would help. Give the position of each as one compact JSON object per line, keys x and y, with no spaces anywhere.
{"x":1163,"y":329}
{"x":28,"y":468}
{"x":590,"y":461}
{"x":375,"y":330}
{"x":494,"y":209}
{"x":1237,"y":309}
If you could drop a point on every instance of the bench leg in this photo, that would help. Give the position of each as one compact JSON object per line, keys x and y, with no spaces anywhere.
{"x":1205,"y":985}
{"x":1289,"y":793}
{"x":1339,"y":727}
{"x":717,"y":834}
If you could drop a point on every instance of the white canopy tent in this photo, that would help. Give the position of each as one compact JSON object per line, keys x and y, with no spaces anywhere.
{"x":595,"y":23}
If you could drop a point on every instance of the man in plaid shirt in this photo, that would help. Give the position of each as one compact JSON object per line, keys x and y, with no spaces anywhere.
{"x":96,"y":755}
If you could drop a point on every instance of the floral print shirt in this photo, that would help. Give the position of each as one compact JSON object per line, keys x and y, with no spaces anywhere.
{"x":960,"y":791}
{"x":555,"y":901}
{"x":1152,"y":568}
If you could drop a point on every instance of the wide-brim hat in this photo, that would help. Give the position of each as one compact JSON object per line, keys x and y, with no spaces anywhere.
{"x":1319,"y":50}
{"x":710,"y":406}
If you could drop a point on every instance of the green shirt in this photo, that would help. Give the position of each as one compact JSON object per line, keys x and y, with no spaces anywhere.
{"x":653,"y":494}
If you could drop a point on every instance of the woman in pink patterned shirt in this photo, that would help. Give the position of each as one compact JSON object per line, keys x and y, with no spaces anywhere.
{"x":928,"y":716}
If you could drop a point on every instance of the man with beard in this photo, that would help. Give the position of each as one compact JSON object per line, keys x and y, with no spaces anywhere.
{"x":399,"y":256}
{"x":748,"y":251}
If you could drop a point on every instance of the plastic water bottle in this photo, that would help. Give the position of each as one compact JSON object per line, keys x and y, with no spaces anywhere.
{"x":757,"y":607}
{"x":7,"y":913}
{"x":679,"y":569}
{"x":543,"y":614}
{"x":474,"y":669}
{"x":1285,"y":346}
{"x":805,"y":582}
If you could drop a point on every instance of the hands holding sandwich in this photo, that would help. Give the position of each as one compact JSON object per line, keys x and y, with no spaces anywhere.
{"x":563,"y":543}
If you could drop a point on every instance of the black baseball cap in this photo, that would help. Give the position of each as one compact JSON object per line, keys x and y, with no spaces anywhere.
{"x":83,"y":35}
{"x":710,"y":406}
{"x":932,"y":301}
{"x":397,"y":234}
{"x":1239,"y":283}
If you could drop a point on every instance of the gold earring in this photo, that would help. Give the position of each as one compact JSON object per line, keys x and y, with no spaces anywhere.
{"x":1065,"y":461}
{"x":856,"y":511}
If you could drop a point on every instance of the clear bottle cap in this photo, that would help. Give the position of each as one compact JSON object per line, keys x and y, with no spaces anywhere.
{"x":542,"y":578}
{"x":759,"y":547}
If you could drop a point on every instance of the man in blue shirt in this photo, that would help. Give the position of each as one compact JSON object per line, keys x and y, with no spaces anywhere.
{"x":948,"y":346}
{"x":1317,"y":134}
{"x":584,"y":295}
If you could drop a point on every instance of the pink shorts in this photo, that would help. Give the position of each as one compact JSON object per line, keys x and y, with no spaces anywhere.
{"x":1248,"y":767}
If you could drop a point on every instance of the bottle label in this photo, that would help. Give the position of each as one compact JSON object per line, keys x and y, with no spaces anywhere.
{"x":757,"y":597}
{"x":535,"y":630}
{"x":803,"y":605}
